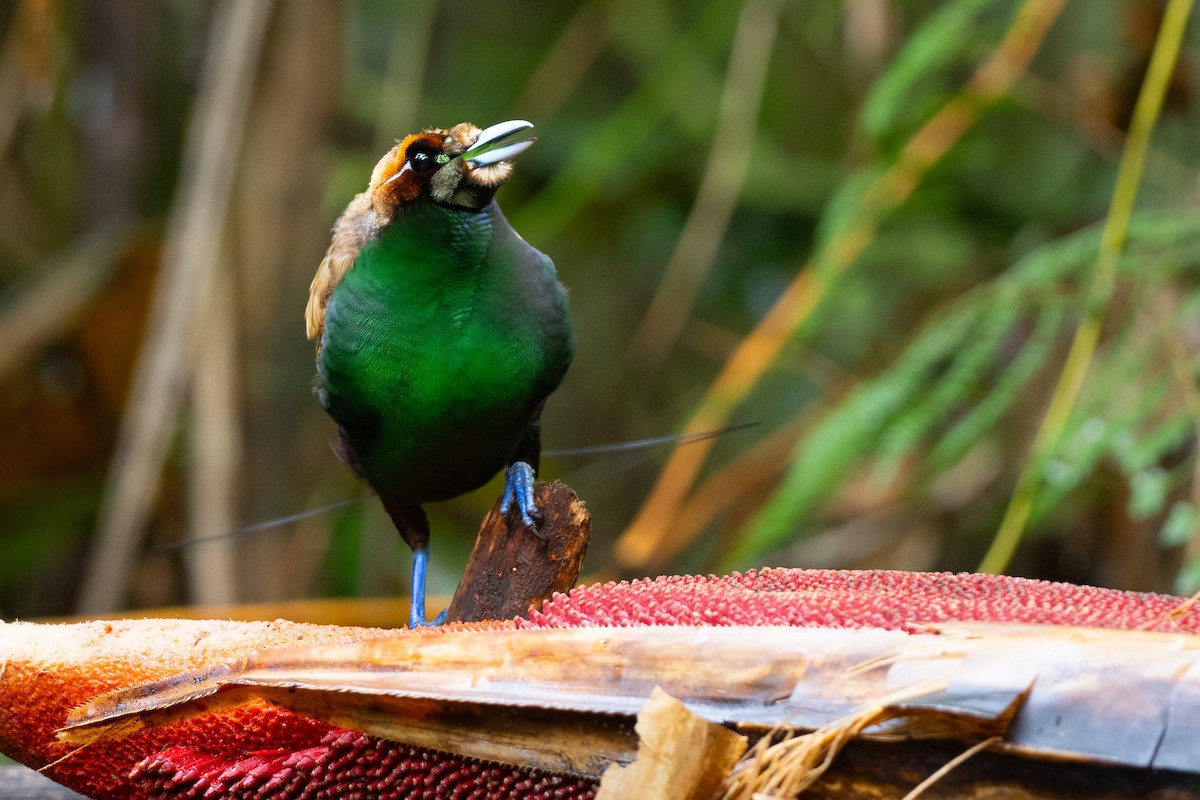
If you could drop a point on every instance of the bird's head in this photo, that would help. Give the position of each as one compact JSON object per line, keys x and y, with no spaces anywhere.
{"x":462,"y":166}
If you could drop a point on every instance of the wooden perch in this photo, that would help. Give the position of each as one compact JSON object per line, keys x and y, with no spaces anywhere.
{"x":513,"y":569}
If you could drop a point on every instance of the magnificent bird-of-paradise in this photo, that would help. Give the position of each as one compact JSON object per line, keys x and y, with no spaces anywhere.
{"x":440,"y":331}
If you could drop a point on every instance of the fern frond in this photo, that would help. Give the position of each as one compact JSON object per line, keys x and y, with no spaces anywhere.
{"x":957,"y":382}
{"x":981,"y":417}
{"x":1127,"y":411}
{"x":847,"y":434}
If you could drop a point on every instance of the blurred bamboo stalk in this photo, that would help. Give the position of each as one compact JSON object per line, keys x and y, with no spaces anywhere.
{"x":1099,"y":292}
{"x":216,"y":450}
{"x":277,"y":227}
{"x":869,"y":27}
{"x":190,"y":251}
{"x":720,"y":187}
{"x":651,"y":538}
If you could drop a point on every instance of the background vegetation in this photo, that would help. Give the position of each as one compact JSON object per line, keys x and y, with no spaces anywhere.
{"x":872,"y":228}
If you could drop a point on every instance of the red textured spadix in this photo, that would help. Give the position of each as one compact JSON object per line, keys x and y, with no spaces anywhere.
{"x":862,"y":599}
{"x":261,"y":752}
{"x":345,"y":764}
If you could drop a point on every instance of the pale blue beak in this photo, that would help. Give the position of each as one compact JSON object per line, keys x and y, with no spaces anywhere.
{"x":495,"y":143}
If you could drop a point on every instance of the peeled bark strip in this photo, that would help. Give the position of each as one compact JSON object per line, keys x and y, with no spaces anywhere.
{"x":892,"y":629}
{"x":513,"y":569}
{"x":552,"y":698}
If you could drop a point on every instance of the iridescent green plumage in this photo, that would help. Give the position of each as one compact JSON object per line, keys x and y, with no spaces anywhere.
{"x":441,"y":331}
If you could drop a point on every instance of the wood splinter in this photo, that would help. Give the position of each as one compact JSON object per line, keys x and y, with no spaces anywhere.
{"x":513,"y":569}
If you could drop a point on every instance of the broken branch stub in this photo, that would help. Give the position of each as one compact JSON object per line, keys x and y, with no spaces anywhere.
{"x":513,"y":569}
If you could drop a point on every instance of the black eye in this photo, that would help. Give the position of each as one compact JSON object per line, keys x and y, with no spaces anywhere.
{"x":422,"y":158}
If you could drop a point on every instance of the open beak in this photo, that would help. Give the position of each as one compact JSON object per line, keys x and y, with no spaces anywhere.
{"x":496,"y":143}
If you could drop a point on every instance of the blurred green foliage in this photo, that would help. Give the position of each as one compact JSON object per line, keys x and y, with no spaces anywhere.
{"x":891,"y":432}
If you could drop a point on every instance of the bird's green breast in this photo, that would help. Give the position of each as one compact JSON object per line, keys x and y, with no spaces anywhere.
{"x":439,"y":344}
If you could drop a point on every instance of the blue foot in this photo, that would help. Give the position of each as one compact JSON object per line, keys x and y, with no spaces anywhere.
{"x":428,"y":623}
{"x":518,"y":488}
{"x":416,"y":609}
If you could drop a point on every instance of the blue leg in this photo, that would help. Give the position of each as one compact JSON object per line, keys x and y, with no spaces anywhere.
{"x":518,"y":488}
{"x":413,"y":527}
{"x":416,"y":611}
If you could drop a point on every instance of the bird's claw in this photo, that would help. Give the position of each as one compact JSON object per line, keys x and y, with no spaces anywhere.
{"x":428,"y":623}
{"x":416,"y":610}
{"x":518,"y":489}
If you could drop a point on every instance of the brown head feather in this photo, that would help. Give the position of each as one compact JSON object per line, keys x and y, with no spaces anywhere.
{"x":391,"y":187}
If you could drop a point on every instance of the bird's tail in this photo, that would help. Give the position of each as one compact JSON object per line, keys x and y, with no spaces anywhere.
{"x":586,"y":450}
